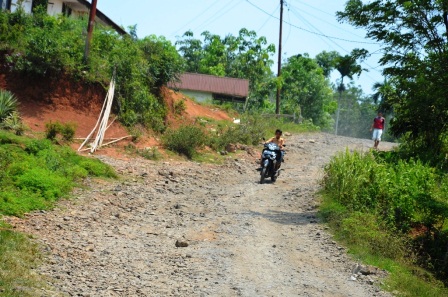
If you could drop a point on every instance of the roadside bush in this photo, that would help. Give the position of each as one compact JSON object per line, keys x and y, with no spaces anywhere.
{"x":365,"y":231}
{"x":35,"y":173}
{"x":386,"y":207}
{"x":179,"y":107}
{"x":149,"y":153}
{"x":66,"y":131}
{"x":44,"y":181}
{"x":51,"y":130}
{"x":35,"y":145}
{"x":404,"y":194}
{"x":185,"y":140}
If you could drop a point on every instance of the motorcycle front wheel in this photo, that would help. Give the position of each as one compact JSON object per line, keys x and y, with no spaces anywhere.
{"x":263,"y":174}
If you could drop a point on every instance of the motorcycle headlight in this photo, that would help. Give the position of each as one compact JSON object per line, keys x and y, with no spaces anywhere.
{"x":266,"y":154}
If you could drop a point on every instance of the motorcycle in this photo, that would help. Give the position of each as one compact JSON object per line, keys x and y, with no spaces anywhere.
{"x":269,"y":162}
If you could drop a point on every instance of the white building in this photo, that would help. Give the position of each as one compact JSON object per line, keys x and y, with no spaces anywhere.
{"x":75,"y":8}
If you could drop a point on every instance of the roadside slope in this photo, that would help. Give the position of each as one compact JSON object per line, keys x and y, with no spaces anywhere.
{"x":245,"y":239}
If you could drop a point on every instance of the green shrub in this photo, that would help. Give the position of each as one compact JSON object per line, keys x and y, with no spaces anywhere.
{"x":13,"y":122}
{"x":185,"y":140}
{"x":96,"y":168}
{"x":389,"y":208}
{"x":50,"y":184}
{"x":35,"y":173}
{"x":66,"y":131}
{"x":51,"y":130}
{"x":151,"y":153}
{"x":179,"y":107}
{"x":8,"y":104}
{"x":366,"y":232}
{"x":36,"y":145}
{"x":404,"y":193}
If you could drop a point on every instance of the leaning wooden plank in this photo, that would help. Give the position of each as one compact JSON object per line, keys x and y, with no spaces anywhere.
{"x":101,"y":130}
{"x":116,"y":140}
{"x":110,"y":124}
{"x":96,"y":125}
{"x":110,"y":142}
{"x":82,"y":138}
{"x":107,"y":114}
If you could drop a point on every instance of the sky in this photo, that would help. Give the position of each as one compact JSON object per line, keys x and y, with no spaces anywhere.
{"x":310,"y":26}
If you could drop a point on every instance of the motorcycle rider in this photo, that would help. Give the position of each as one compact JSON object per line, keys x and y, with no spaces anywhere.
{"x":280,"y":141}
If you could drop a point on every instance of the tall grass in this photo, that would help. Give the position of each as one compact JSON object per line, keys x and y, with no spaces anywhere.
{"x":391,"y":213}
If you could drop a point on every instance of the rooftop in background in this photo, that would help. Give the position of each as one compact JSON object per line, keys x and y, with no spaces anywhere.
{"x":235,"y":87}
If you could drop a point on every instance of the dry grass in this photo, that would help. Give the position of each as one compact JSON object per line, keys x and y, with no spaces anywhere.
{"x":19,"y":256}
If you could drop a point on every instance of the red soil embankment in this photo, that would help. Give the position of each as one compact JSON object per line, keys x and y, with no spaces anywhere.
{"x":58,"y":99}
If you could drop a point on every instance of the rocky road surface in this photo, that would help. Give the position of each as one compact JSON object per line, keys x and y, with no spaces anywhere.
{"x":188,"y":229}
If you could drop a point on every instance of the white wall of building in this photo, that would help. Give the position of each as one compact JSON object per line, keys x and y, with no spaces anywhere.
{"x":202,"y":97}
{"x":54,"y":7}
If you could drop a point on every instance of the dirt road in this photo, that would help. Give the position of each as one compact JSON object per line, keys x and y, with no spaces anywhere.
{"x":118,"y":238}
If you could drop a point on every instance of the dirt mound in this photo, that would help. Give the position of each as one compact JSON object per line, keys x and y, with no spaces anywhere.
{"x":58,"y":99}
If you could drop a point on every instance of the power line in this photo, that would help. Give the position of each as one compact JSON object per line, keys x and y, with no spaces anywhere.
{"x":318,"y":9}
{"x":220,"y":13}
{"x":264,"y":24}
{"x":331,"y":24}
{"x":335,"y":43}
{"x":196,"y":17}
{"x":312,"y":32}
{"x":339,"y":46}
{"x":289,"y":19}
{"x":310,"y":25}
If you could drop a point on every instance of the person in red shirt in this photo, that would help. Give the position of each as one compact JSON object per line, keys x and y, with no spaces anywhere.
{"x":378,"y":128}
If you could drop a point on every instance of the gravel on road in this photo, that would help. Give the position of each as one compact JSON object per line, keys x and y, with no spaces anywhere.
{"x":188,"y":229}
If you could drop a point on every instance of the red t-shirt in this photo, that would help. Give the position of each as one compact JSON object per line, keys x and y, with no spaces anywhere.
{"x":378,"y":123}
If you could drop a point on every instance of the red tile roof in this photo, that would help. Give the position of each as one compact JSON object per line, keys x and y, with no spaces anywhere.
{"x":213,"y":84}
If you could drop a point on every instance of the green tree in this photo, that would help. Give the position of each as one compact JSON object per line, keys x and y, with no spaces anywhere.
{"x":327,"y":61}
{"x":348,"y":66}
{"x":305,"y":89}
{"x":191,"y":49}
{"x":414,"y":37}
{"x":164,"y":62}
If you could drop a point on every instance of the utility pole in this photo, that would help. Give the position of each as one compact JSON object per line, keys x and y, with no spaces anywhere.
{"x":279,"y":71}
{"x":90,"y":30}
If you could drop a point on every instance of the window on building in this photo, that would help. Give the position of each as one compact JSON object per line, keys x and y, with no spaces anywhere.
{"x":5,"y":4}
{"x":66,"y":10}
